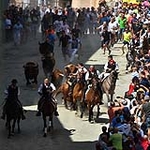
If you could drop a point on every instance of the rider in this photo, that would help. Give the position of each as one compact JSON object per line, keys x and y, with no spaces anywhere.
{"x":44,"y":90}
{"x":12,"y":93}
{"x":109,"y":67}
{"x":92,"y":73}
{"x":81,"y":71}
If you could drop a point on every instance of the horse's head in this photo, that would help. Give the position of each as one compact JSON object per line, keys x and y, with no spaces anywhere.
{"x":95,"y":83}
{"x":114,"y":75}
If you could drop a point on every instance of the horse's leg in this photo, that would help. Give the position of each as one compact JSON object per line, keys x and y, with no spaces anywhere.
{"x":18,"y":124}
{"x":90,"y":112}
{"x":111,"y":97}
{"x":108,"y":98}
{"x":92,"y":115}
{"x":50,"y":123}
{"x":98,"y":112}
{"x":81,"y":109}
{"x":9,"y":128}
{"x":13,"y":127}
{"x":45,"y":126}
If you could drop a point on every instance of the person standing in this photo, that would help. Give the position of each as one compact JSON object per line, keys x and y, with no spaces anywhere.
{"x":127,"y":36}
{"x":75,"y":46}
{"x":17,"y":29}
{"x":106,"y":40}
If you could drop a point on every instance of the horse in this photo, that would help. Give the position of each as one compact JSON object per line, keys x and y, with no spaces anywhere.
{"x":13,"y":114}
{"x":78,"y":95}
{"x":48,"y":63}
{"x":31,"y":72}
{"x":47,"y":109}
{"x":69,"y":69}
{"x":108,"y":84}
{"x":93,"y":98}
{"x":65,"y":89}
{"x":57,"y":77}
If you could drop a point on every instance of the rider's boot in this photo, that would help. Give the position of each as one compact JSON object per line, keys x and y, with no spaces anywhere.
{"x":56,"y":113}
{"x":38,"y":113}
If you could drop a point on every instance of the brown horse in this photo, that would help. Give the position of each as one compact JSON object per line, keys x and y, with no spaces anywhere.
{"x":92,"y":98}
{"x":109,"y":84}
{"x":47,"y":110}
{"x":70,"y":68}
{"x":64,"y":89}
{"x":57,"y":77}
{"x":78,"y":93}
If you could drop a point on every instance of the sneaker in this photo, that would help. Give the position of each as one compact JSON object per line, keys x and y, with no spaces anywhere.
{"x":38,"y":113}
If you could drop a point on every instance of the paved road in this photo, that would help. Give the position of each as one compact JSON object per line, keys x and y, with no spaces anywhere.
{"x":70,"y":132}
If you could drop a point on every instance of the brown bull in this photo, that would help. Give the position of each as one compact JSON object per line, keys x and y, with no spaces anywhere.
{"x":57,"y":77}
{"x":70,"y":68}
{"x":31,"y":71}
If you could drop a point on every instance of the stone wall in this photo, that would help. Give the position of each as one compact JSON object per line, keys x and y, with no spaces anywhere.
{"x":90,"y":3}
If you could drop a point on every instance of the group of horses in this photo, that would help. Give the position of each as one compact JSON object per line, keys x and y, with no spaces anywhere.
{"x":83,"y":98}
{"x":80,"y":99}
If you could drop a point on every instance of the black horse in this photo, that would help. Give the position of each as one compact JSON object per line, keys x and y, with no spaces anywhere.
{"x":13,"y":114}
{"x":48,"y":108}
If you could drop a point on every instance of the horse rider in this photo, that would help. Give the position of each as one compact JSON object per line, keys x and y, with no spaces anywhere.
{"x":91,"y":74}
{"x":78,"y":75}
{"x":45,"y":91}
{"x":12,"y":93}
{"x":110,"y":66}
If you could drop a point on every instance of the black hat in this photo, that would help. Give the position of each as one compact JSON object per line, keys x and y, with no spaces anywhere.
{"x":14,"y":81}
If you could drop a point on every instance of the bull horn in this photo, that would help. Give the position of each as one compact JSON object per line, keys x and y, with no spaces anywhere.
{"x":61,"y":74}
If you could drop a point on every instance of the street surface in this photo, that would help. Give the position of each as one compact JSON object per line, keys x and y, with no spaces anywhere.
{"x":70,"y":132}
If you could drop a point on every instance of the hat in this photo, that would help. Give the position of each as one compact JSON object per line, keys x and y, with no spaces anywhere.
{"x":146,"y":98}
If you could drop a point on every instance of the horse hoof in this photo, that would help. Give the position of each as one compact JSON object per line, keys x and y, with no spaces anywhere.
{"x":44,"y":135}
